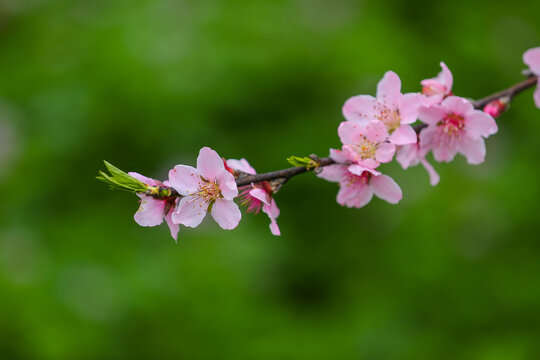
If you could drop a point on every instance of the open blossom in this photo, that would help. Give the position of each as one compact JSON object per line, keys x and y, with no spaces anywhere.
{"x":414,"y":154}
{"x":257,"y":196}
{"x":455,"y":126}
{"x":152,"y":211}
{"x":209,"y":186}
{"x":531,"y":57}
{"x":365,"y":143}
{"x":396,"y":110}
{"x":436,"y":89}
{"x":357,"y":189}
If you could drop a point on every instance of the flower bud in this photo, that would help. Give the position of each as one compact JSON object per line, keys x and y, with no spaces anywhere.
{"x":496,"y":107}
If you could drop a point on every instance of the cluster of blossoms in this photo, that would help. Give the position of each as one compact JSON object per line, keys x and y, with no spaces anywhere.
{"x":407,"y":126}
{"x":376,"y":128}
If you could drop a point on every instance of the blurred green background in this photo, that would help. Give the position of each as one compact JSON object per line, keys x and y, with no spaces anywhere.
{"x":452,"y":272}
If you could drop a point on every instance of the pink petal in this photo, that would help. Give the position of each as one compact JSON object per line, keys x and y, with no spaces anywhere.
{"x":362,"y":197}
{"x":241,"y":165}
{"x":537,"y":95}
{"x":227,"y":184}
{"x":345,"y":193}
{"x":445,"y":151}
{"x":369,"y":163}
{"x":174,"y":228}
{"x":374,"y":131}
{"x":457,"y":105}
{"x":386,"y":188}
{"x":150,"y":211}
{"x":432,"y":115}
{"x":433,"y":176}
{"x":339,"y":156}
{"x":409,"y":105}
{"x":358,"y":170}
{"x":385,"y":151}
{"x":226,"y":214}
{"x":403,"y":135}
{"x":185,"y":179}
{"x":274,"y":228}
{"x":473,"y":150}
{"x":209,"y":163}
{"x":260,"y":195}
{"x":408,"y":155}
{"x":480,"y":124}
{"x":350,"y":131}
{"x":389,"y":88}
{"x":143,"y":178}
{"x":427,"y":139}
{"x":191,"y":211}
{"x":446,"y":78}
{"x":333,"y":173}
{"x":531,"y":57}
{"x":359,"y":108}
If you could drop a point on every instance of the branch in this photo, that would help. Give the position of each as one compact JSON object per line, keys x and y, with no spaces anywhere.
{"x":510,"y":92}
{"x":286,"y":174}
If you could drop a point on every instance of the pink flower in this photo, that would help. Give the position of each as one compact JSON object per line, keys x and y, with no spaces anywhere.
{"x":364,"y":143}
{"x":209,"y":186}
{"x":436,"y":89}
{"x":357,"y":188}
{"x":413,"y":154}
{"x":396,"y":110}
{"x":455,"y":126}
{"x":152,"y":211}
{"x":531,"y":57}
{"x":496,"y":107}
{"x":257,"y":196}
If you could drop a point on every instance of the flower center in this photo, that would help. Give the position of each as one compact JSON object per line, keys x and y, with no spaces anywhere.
{"x":209,"y":190}
{"x":391,"y":118}
{"x":365,"y":149}
{"x":353,"y":179}
{"x":453,"y":124}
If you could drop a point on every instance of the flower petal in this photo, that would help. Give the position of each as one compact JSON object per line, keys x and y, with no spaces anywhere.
{"x":445,"y":77}
{"x":385,"y":151}
{"x":185,"y":179}
{"x":433,"y":176}
{"x":227,"y":184}
{"x":386,"y":188}
{"x":339,"y":156}
{"x":409,"y":105}
{"x":241,"y":165}
{"x":150,"y":211}
{"x":359,"y":169}
{"x":362,"y":197}
{"x":389,"y":88}
{"x":431,"y":115}
{"x":209,"y":163}
{"x":191,"y":211}
{"x":333,"y":173}
{"x":457,"y":105}
{"x":144,"y":179}
{"x":537,"y":95}
{"x":374,"y":131}
{"x":403,"y":135}
{"x":473,"y":149}
{"x":408,"y":155}
{"x":480,"y":124}
{"x":350,"y":131}
{"x":260,"y":195}
{"x":174,"y":228}
{"x":226,"y":214}
{"x":359,"y":108}
{"x":531,"y":57}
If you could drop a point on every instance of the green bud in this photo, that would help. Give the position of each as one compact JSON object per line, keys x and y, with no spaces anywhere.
{"x":120,"y":180}
{"x":305,"y":161}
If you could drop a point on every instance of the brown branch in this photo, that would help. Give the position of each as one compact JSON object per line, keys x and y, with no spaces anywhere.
{"x":286,"y":174}
{"x":510,"y":92}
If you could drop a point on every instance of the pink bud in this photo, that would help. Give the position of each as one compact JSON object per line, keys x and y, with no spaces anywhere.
{"x":496,"y":107}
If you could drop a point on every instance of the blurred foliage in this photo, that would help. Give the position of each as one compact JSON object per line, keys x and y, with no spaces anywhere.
{"x":449,"y":273}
